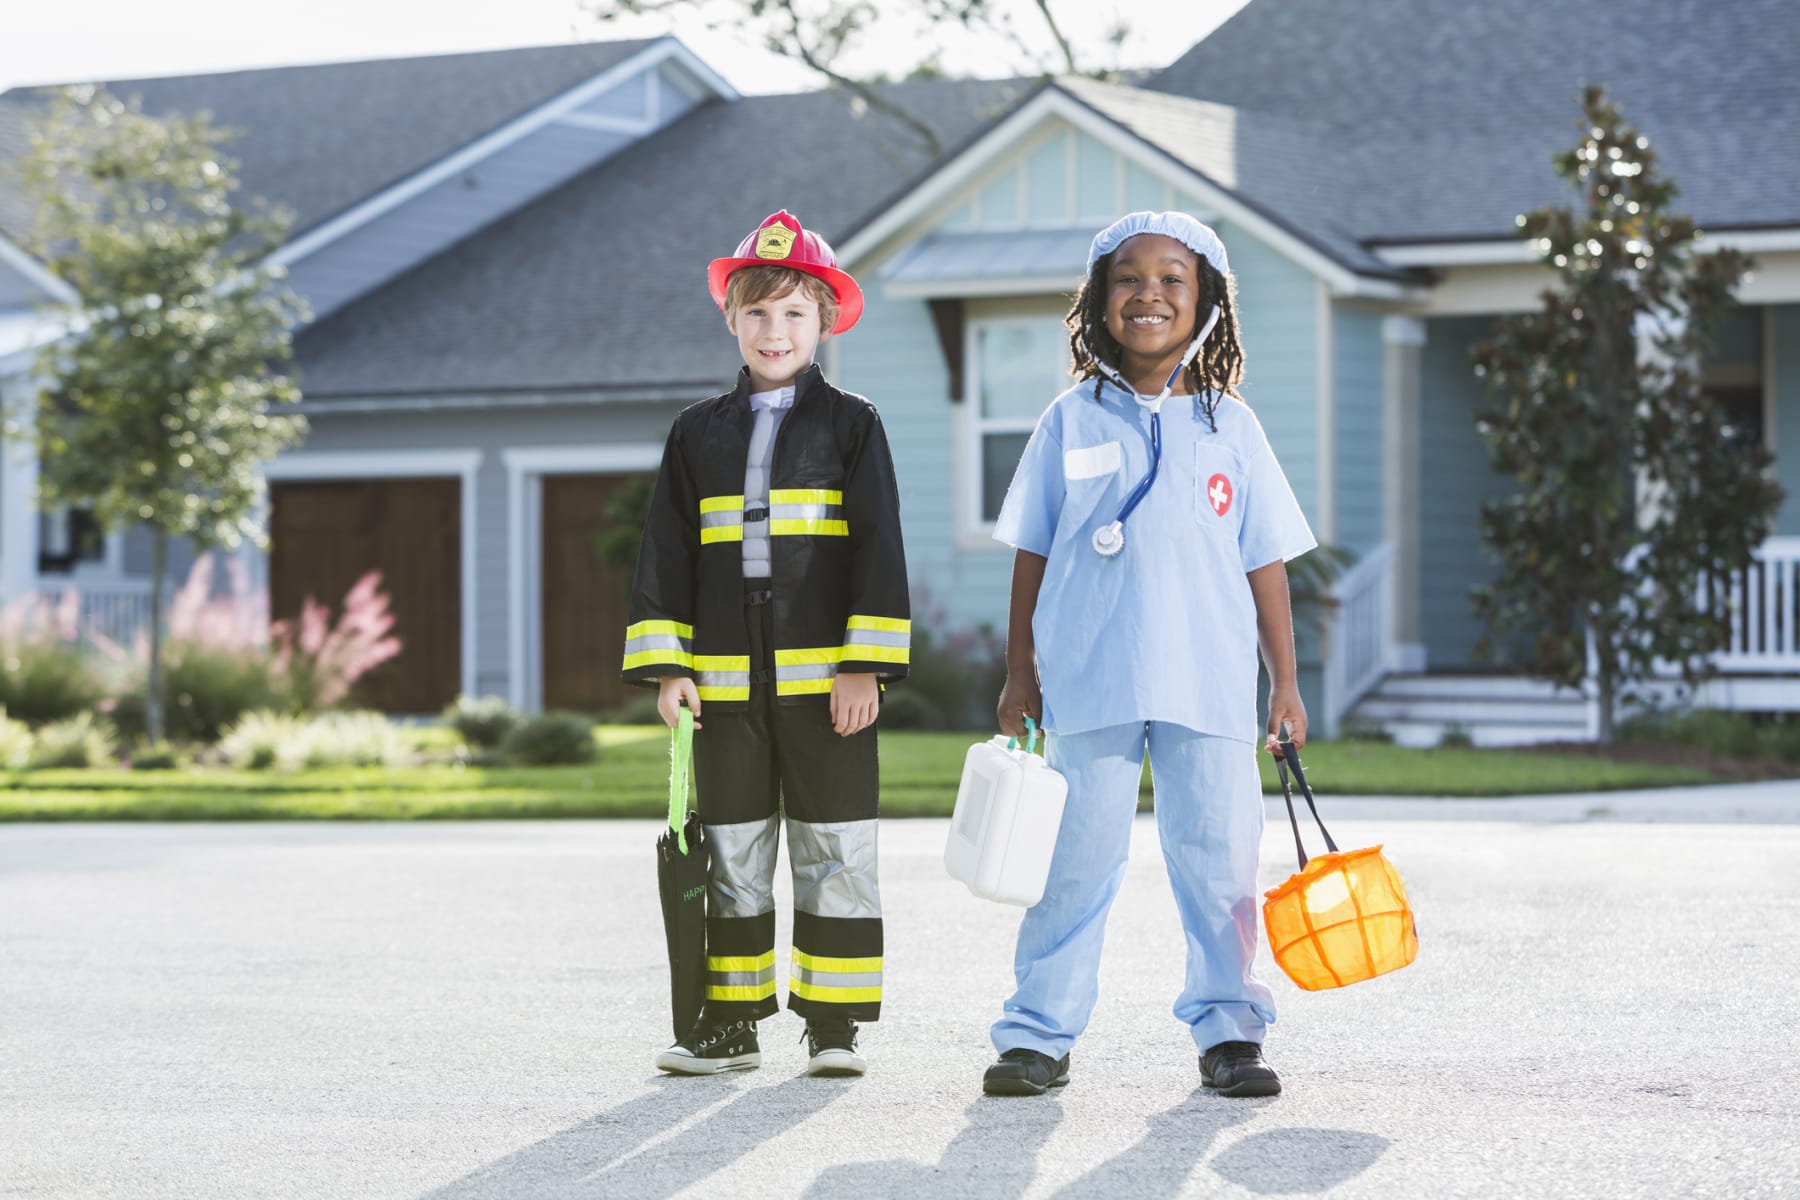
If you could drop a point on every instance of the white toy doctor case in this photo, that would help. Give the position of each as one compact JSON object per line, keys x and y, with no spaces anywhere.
{"x":1008,"y":809}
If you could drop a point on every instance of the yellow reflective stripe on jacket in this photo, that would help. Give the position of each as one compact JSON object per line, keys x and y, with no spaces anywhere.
{"x":808,"y":657}
{"x":863,"y":652}
{"x":877,"y":639}
{"x":722,"y":676}
{"x":805,"y":496}
{"x":659,"y":644}
{"x":647,"y":628}
{"x":881,"y":624}
{"x":808,"y":527}
{"x":802,"y":687}
{"x":721,"y":519}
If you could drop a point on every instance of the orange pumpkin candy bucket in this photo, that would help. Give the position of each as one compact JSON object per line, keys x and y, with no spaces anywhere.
{"x":1344,"y":917}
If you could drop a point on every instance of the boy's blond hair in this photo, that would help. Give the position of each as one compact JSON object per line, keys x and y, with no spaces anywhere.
{"x":750,"y":285}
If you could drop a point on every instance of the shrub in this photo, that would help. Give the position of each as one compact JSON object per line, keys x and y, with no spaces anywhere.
{"x":255,"y":743}
{"x":15,"y":743}
{"x":551,"y":738}
{"x":354,"y":739}
{"x":155,"y":758}
{"x":208,"y":689}
{"x":483,"y":723}
{"x":80,"y":741}
{"x":903,"y":709}
{"x":45,"y":675}
{"x":640,"y":710}
{"x":1456,"y":736}
{"x":319,"y":662}
{"x":957,"y":674}
{"x":1717,"y":731}
{"x":361,"y":739}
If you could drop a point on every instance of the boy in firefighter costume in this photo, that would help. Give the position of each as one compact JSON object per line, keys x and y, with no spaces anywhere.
{"x":1151,"y":524}
{"x":771,"y":599}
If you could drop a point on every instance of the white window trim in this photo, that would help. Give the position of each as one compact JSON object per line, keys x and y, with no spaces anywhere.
{"x":973,"y":531}
{"x":404,"y":464}
{"x":526,"y":467}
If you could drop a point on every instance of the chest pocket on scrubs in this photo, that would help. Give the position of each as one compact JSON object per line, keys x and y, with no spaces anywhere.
{"x":1089,"y":475}
{"x":1217,"y":478}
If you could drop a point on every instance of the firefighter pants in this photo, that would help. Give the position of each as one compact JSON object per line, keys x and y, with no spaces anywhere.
{"x":753,"y":767}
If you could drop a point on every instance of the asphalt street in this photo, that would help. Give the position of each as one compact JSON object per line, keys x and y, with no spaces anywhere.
{"x":1604,"y":1005}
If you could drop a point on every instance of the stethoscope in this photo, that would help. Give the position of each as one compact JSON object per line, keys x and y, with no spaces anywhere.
{"x":1110,"y":539}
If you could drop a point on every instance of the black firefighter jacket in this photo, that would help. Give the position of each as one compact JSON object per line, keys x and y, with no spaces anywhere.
{"x":838,"y":570}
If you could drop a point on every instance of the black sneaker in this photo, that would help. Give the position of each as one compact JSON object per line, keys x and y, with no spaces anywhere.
{"x":1025,"y":1073}
{"x":1238,"y":1069}
{"x":713,"y":1046}
{"x":832,"y":1047}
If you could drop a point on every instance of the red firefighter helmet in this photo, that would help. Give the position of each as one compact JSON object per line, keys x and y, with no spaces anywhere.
{"x":781,"y":242}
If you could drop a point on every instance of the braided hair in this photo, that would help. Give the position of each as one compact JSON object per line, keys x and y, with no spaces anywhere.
{"x":1215,"y":371}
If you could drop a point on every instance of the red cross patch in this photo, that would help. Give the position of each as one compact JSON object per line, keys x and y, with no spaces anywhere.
{"x":1219,"y":494}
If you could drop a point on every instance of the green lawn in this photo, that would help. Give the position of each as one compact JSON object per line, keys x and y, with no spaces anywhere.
{"x":919,"y":774}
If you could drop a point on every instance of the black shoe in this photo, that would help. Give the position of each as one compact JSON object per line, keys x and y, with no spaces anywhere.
{"x":713,"y":1046}
{"x":832,"y":1047}
{"x":1238,"y":1069}
{"x":1025,"y":1073}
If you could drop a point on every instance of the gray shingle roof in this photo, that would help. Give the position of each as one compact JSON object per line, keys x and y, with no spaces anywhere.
{"x":321,"y":138}
{"x":1288,"y":170}
{"x":602,"y":283}
{"x":1443,"y":114}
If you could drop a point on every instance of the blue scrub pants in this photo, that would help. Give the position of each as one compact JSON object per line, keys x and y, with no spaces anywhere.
{"x":1209,"y":815}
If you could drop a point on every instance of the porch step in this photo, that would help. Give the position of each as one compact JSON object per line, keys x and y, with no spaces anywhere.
{"x":1493,"y":710}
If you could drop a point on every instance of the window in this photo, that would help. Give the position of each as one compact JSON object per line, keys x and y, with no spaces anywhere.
{"x":68,"y":537}
{"x":1019,"y":365}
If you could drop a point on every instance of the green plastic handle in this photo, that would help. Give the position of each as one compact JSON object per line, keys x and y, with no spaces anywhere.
{"x":681,"y":751}
{"x":1032,"y":734}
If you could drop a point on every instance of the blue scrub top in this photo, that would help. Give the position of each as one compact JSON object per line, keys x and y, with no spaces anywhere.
{"x":1166,"y":629}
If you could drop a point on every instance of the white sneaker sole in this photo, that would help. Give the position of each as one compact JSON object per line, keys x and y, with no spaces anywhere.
{"x":686,"y":1064}
{"x":837,"y":1062}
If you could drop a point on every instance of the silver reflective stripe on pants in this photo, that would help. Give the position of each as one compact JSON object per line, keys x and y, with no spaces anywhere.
{"x":835,"y":979}
{"x":834,"y":868}
{"x":743,"y":868}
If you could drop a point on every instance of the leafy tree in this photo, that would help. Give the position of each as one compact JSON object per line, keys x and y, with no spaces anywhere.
{"x":162,"y":400}
{"x":820,"y":34}
{"x":1633,"y":498}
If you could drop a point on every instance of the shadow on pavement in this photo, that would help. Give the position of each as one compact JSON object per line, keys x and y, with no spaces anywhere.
{"x":1290,"y":1161}
{"x":995,"y":1155}
{"x":596,"y":1158}
{"x":1159,"y":1163}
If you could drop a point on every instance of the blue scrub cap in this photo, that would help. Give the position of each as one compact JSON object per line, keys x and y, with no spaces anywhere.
{"x":1185,"y":229}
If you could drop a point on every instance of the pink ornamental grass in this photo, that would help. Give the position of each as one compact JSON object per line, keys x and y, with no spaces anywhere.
{"x":322,"y":662}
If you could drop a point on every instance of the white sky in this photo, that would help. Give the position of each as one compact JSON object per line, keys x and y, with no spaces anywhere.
{"x":57,"y":41}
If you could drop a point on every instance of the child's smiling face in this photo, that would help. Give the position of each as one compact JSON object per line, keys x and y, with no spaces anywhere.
{"x":778,"y":337}
{"x":1152,"y":293}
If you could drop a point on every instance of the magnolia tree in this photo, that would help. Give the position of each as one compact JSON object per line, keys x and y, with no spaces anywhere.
{"x":1634,"y":506}
{"x":166,"y":394}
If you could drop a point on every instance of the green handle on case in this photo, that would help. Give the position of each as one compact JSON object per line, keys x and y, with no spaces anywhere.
{"x":681,"y":747}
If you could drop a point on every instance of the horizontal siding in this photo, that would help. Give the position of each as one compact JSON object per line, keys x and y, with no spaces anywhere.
{"x":1455,"y":481}
{"x":1358,"y":428}
{"x":894,"y":358}
{"x":1278,"y":325}
{"x":1786,"y":383}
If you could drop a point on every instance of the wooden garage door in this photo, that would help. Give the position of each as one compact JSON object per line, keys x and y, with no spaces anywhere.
{"x":325,"y":535}
{"x":584,"y":600}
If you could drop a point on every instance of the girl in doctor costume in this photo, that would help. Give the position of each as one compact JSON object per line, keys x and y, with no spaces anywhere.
{"x":1151,"y":524}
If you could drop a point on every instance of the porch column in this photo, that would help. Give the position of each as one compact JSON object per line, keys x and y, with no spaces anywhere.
{"x":18,"y":493}
{"x":1403,"y":339}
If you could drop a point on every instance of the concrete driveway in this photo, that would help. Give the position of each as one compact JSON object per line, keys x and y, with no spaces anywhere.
{"x":1602,"y":1007}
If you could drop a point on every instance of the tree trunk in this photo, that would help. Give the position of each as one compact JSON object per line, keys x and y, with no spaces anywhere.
{"x":153,"y":688}
{"x":1607,"y":684}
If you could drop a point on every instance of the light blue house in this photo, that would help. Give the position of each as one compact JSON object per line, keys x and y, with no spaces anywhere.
{"x":523,"y":314}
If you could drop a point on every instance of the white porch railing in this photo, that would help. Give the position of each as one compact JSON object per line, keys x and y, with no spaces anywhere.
{"x":1359,"y":633}
{"x":111,"y":608}
{"x":1764,"y":606}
